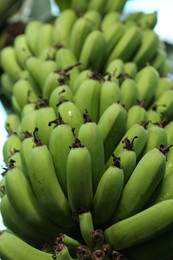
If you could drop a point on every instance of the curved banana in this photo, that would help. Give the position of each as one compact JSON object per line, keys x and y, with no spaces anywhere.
{"x":91,"y":89}
{"x":79,"y":186}
{"x":168,"y":129}
{"x":60,"y":141}
{"x":22,"y":198}
{"x":80,"y":6}
{"x":62,"y":27}
{"x":81,"y":28}
{"x":98,"y":5}
{"x":147,"y":80}
{"x":31,"y":32}
{"x":130,"y":69}
{"x":90,"y":136}
{"x":33,"y":65}
{"x":44,"y":37}
{"x":164,"y":84}
{"x":13,"y":247}
{"x":6,"y":85}
{"x":108,"y":193}
{"x":127,"y":44}
{"x":82,"y":76}
{"x":47,"y":67}
{"x":115,"y":70}
{"x":95,"y":17}
{"x":108,"y":19}
{"x":136,"y":114}
{"x":47,"y":187}
{"x":28,"y":123}
{"x":129,"y":93}
{"x":93,"y":50}
{"x":147,"y":49}
{"x":141,"y":184}
{"x":139,"y":227}
{"x":21,"y":49}
{"x":112,"y":125}
{"x":12,"y":123}
{"x":70,"y":114}
{"x":117,"y":5}
{"x":110,"y":93}
{"x":86,"y":227}
{"x":9,"y":63}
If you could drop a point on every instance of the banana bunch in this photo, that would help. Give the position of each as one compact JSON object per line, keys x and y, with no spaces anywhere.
{"x":88,"y":156}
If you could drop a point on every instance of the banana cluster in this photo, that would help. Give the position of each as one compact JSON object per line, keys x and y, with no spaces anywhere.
{"x":88,"y":158}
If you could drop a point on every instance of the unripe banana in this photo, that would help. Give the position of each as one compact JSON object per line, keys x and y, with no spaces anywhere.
{"x":127,"y":45}
{"x":130,"y":69}
{"x":82,"y":76}
{"x":168,"y":129}
{"x":26,"y":205}
{"x":90,"y":136}
{"x":129,"y":93}
{"x":117,"y":6}
{"x":153,"y":117}
{"x":33,"y":65}
{"x":6,"y":85}
{"x":139,"y":228}
{"x":21,"y":49}
{"x":98,"y":5}
{"x":70,"y":114}
{"x":12,"y":247}
{"x":12,"y":123}
{"x":47,"y":187}
{"x":147,"y":49}
{"x":62,"y":27}
{"x":80,"y":6}
{"x":9,"y":63}
{"x":48,"y":53}
{"x":93,"y":50}
{"x":147,"y":80}
{"x":158,"y":59}
{"x":59,"y":93}
{"x":108,"y":19}
{"x":112,"y":126}
{"x":164,"y":84}
{"x":136,"y":114}
{"x":43,"y":117}
{"x":44,"y":37}
{"x":90,"y":88}
{"x":95,"y":17}
{"x":110,"y":93}
{"x":29,"y":107}
{"x":147,"y":20}
{"x":108,"y":193}
{"x":11,"y":144}
{"x":81,"y":28}
{"x":115,"y":70}
{"x":141,"y":184}
{"x":67,"y":62}
{"x":31,"y":32}
{"x":86,"y":227}
{"x":79,"y":186}
{"x":47,"y":67}
{"x":60,"y":141}
{"x":15,"y":160}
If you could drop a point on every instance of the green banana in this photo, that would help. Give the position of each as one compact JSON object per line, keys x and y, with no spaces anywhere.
{"x":115,"y":70}
{"x":130,"y":69}
{"x":9,"y":63}
{"x":139,"y":227}
{"x":12,"y":247}
{"x":127,"y":44}
{"x":138,"y":146}
{"x":70,"y":114}
{"x":59,"y":93}
{"x":147,"y":49}
{"x":80,"y":6}
{"x":15,"y":160}
{"x":117,"y":6}
{"x":12,"y":123}
{"x":147,"y":80}
{"x":21,"y":49}
{"x":91,"y":89}
{"x":108,"y":19}
{"x":60,"y":140}
{"x":62,"y":27}
{"x":164,"y":84}
{"x":82,"y":76}
{"x":158,"y":59}
{"x":168,"y":129}
{"x":79,"y":186}
{"x":47,"y":67}
{"x":18,"y":225}
{"x":113,"y":35}
{"x":24,"y":93}
{"x":47,"y":187}
{"x":67,"y":62}
{"x":93,"y":50}
{"x":11,"y":144}
{"x":129,"y":93}
{"x":136,"y":114}
{"x":44,"y":37}
{"x":141,"y":184}
{"x":33,"y":65}
{"x":86,"y":227}
{"x":110,"y":93}
{"x":81,"y":28}
{"x":26,"y":205}
{"x":98,"y":5}
{"x":95,"y":17}
{"x":6,"y":85}
{"x":28,"y":123}
{"x":90,"y":136}
{"x":108,"y":193}
{"x":112,"y":124}
{"x":48,"y":53}
{"x":153,"y":117}
{"x":31,"y":32}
